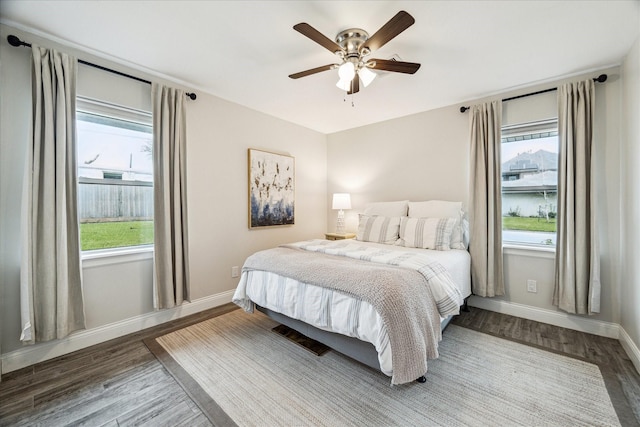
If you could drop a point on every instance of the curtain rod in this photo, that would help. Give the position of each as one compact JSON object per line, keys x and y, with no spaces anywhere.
{"x":600,"y":79}
{"x":16,"y":42}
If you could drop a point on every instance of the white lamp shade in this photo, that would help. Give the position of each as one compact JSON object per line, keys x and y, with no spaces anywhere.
{"x":344,"y":84}
{"x":341,"y":201}
{"x":347,"y":71}
{"x":366,"y":75}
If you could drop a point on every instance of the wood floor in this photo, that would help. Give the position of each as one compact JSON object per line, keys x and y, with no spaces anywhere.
{"x":121,"y":383}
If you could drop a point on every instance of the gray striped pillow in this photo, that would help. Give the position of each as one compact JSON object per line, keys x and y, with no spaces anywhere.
{"x":378,"y":229}
{"x":426,"y":233}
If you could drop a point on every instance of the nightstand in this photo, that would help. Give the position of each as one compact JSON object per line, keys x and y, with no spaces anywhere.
{"x":336,"y":236}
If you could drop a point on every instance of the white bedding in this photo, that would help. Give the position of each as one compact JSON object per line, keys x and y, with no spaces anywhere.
{"x":281,"y":294}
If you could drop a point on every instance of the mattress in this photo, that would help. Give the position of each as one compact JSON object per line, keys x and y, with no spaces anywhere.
{"x":348,"y":316}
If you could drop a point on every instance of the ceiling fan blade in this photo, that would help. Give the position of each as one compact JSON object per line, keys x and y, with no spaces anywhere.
{"x":355,"y":85}
{"x":312,"y":71}
{"x":395,"y":66}
{"x":315,"y":35}
{"x":392,"y":28}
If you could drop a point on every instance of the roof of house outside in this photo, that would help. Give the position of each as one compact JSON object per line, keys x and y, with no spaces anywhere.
{"x":540,"y":160}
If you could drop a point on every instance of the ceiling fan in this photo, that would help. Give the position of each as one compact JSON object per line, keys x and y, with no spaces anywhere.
{"x":353,"y":46}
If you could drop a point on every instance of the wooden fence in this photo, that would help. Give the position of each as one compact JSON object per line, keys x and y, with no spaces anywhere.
{"x":102,"y":200}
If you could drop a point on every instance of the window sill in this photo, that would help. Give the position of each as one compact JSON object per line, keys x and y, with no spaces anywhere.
{"x":102,"y":257}
{"x":529,"y":250}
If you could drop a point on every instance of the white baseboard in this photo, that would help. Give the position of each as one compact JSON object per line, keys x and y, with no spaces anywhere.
{"x":557,"y":318}
{"x":631,"y":348}
{"x":33,"y":354}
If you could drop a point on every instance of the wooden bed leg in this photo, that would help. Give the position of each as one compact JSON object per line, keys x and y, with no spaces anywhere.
{"x":465,"y":307}
{"x":422,"y":379}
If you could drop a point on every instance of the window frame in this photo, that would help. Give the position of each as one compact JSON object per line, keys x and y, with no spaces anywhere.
{"x":137,"y":117}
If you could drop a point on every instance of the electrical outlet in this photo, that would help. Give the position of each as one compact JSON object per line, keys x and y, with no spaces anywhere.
{"x":532,"y":286}
{"x":235,"y":271}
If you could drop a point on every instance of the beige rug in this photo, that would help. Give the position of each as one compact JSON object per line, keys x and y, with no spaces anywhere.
{"x":257,"y":378}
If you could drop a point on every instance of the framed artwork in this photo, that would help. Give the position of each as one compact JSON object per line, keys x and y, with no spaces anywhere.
{"x":271,"y":189}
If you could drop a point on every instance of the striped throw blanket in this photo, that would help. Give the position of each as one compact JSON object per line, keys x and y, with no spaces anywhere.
{"x":409,"y":291}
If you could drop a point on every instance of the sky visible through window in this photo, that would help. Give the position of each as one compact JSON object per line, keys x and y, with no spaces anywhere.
{"x":106,"y":147}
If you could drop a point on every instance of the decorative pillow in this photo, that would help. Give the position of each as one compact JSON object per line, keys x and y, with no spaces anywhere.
{"x":443,"y":209}
{"x":426,"y":233}
{"x":387,"y":208}
{"x":378,"y":229}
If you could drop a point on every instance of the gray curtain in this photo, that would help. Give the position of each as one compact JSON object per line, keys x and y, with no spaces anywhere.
{"x":577,"y":275}
{"x":171,"y":269}
{"x":50,"y":277}
{"x":485,"y":210}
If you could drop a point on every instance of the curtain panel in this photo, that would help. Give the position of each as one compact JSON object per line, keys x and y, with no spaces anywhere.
{"x":51,"y":299}
{"x":170,"y":263}
{"x":485,"y":191}
{"x":577,"y":272}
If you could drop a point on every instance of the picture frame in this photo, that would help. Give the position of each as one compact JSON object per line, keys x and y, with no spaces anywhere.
{"x":271,"y":189}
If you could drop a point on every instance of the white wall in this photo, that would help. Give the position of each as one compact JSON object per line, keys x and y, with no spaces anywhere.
{"x":15,"y":96}
{"x":219,"y":134}
{"x":630,"y":294}
{"x":417,"y":157}
{"x":425,"y":156}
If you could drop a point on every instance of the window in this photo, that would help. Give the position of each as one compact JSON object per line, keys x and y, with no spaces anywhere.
{"x":530,"y":183}
{"x":115,"y":176}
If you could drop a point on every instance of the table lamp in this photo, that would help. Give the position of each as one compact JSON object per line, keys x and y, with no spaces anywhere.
{"x":341,"y":201}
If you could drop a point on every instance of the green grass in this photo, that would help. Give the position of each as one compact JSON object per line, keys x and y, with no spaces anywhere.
{"x":528,"y":224}
{"x":105,"y":235}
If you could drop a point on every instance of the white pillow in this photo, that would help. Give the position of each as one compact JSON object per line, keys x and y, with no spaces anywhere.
{"x":443,"y":209}
{"x":426,"y":233}
{"x":387,"y":208}
{"x":378,"y":229}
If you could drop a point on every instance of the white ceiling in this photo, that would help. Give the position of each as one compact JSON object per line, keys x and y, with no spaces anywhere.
{"x":243,"y":51}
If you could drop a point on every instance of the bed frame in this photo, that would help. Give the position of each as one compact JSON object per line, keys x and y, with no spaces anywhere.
{"x":362,"y":351}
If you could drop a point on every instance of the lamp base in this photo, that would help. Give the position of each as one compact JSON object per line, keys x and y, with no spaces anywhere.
{"x":340,"y":223}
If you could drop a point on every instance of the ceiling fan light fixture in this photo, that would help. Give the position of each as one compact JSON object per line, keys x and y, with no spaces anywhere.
{"x":366,"y":75}
{"x":347,"y":71}
{"x":344,"y":84}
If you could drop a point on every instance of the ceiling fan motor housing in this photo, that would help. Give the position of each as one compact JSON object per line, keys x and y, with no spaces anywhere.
{"x":352,"y":41}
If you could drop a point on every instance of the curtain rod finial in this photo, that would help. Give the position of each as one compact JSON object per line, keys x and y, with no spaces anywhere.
{"x":14,"y":41}
{"x":601,"y":78}
{"x":464,"y":109}
{"x":191,"y":95}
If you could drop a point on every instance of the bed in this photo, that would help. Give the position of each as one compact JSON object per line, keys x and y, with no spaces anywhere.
{"x":382,"y":299}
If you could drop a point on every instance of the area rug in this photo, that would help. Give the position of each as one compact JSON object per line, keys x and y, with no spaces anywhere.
{"x":239,"y":372}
